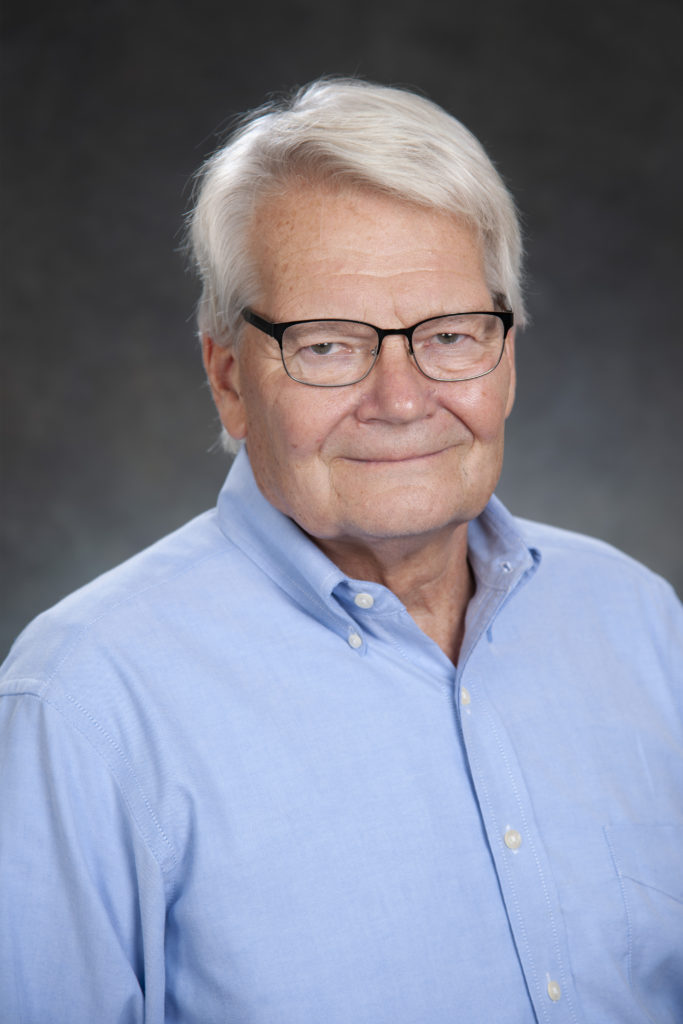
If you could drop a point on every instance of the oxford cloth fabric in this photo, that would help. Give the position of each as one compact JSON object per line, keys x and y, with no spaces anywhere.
{"x":239,"y":787}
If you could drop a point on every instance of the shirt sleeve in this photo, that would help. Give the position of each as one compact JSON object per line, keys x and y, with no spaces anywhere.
{"x":82,"y":903}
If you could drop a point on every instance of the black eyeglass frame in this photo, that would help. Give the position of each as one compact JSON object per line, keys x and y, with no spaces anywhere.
{"x":277,"y":332}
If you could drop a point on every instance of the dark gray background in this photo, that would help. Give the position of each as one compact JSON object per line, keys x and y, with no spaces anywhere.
{"x":108,"y":108}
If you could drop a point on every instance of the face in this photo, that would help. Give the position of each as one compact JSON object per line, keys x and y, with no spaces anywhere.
{"x":396,"y":455}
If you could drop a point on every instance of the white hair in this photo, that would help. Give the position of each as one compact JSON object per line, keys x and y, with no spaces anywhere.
{"x":348,"y":132}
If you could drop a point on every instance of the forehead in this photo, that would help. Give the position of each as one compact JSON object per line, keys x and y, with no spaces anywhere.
{"x":316,"y":239}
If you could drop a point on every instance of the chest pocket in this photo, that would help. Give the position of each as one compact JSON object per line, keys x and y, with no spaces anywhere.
{"x":649,"y":862}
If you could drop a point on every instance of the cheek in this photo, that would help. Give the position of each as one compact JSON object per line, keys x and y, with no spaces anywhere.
{"x":289,"y":426}
{"x":308,"y":419}
{"x":482,"y":407}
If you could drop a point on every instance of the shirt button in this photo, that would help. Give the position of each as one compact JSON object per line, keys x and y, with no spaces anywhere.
{"x":355,"y":641}
{"x":465,"y":698}
{"x":364,"y":600}
{"x":512,"y":838}
{"x":506,"y":566}
{"x":554,"y":991}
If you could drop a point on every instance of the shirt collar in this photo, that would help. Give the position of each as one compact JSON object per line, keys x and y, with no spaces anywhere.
{"x":273,"y":541}
{"x":500,"y":560}
{"x":497,"y":551}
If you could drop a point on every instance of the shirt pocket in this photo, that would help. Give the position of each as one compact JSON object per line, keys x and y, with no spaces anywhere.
{"x":649,"y":863}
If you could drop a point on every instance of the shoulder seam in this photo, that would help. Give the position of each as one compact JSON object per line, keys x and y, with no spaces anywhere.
{"x":172,"y":860}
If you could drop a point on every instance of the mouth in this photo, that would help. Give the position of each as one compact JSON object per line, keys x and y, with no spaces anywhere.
{"x":394,"y":457}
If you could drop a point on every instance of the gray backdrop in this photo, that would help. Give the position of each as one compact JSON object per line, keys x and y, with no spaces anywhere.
{"x":108,"y":108}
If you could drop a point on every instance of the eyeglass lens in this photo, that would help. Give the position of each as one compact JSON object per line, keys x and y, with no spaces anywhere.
{"x":336,"y":352}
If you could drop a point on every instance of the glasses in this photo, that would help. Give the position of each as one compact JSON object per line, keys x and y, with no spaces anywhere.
{"x":336,"y":353}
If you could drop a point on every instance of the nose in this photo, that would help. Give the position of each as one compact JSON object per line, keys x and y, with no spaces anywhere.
{"x":395,"y":391}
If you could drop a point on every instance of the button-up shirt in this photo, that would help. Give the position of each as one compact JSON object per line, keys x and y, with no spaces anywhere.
{"x":239,"y":787}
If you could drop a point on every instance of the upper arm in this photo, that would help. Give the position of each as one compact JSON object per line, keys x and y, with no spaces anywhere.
{"x":82,"y":897}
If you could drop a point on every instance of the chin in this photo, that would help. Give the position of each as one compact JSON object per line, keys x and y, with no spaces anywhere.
{"x":402,"y":525}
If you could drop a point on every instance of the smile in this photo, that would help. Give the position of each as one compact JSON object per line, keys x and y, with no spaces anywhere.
{"x":395,"y":458}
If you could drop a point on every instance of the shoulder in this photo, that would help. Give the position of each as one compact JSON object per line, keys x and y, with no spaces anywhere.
{"x":555,"y":538}
{"x":576,"y":571}
{"x":567,"y":548}
{"x":127,"y":675}
{"x":133,"y":608}
{"x":96,"y":684}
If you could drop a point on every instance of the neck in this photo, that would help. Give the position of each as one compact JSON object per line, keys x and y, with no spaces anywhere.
{"x":432,"y":579}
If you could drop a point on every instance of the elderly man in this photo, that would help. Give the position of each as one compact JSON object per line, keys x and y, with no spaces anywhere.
{"x":357,"y":746}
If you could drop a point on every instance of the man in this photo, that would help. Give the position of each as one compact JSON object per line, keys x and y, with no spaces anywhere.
{"x":357,"y":746}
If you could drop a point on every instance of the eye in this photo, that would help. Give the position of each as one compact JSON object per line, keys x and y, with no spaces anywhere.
{"x":444,"y":338}
{"x":322,"y":348}
{"x":328,"y":348}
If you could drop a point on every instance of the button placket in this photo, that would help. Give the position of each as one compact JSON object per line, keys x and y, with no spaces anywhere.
{"x":521,"y":859}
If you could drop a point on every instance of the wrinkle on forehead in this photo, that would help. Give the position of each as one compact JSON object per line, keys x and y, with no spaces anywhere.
{"x":347,"y":236}
{"x":314,"y":209}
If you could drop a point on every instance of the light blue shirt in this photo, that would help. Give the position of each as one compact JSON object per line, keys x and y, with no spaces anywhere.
{"x":239,"y":787}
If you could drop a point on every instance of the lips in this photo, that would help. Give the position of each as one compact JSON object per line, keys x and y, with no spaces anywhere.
{"x":393,"y":456}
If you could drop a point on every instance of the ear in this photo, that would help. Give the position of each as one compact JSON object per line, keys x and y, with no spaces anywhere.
{"x":510,"y":356}
{"x":222,"y":369}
